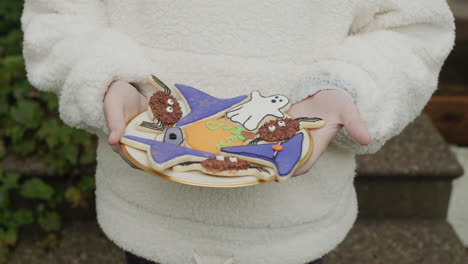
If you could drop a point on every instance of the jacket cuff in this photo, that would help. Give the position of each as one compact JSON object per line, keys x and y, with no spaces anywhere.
{"x":113,"y":57}
{"x":313,"y":84}
{"x":360,"y":86}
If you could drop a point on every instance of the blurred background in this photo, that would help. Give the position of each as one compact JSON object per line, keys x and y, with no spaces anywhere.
{"x":413,"y":197}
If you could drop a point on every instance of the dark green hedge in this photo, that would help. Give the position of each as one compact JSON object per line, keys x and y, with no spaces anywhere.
{"x":31,"y":128}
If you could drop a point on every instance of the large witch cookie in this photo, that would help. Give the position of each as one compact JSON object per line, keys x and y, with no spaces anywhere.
{"x":189,"y":136}
{"x":164,"y":155}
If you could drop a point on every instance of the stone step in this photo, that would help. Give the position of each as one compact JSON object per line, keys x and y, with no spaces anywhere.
{"x":409,"y":177}
{"x":370,"y":242}
{"x":400,"y":241}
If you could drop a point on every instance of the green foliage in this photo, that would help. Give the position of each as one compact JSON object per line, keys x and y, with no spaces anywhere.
{"x":31,"y":128}
{"x":35,"y":188}
{"x":49,"y":221}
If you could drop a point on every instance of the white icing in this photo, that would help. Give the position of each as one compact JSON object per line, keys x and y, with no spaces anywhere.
{"x":170,"y":101}
{"x":272,"y":128}
{"x":281,"y":123}
{"x":169,"y":109}
{"x":251,"y":113}
{"x":233,"y":159}
{"x":221,"y":158}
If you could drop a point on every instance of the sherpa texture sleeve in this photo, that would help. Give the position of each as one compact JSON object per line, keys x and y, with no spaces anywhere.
{"x":388,"y":63}
{"x":69,"y":49}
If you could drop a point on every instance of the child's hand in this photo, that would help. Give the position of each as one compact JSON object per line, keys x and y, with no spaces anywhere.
{"x":121,"y":102}
{"x":337,"y":110}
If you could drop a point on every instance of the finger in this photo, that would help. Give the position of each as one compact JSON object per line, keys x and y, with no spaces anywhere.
{"x":356,"y":128}
{"x":116,"y":148}
{"x":116,"y":122}
{"x":143,"y":104}
{"x":321,"y":140}
{"x":117,"y":131}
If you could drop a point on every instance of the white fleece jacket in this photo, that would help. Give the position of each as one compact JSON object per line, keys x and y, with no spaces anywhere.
{"x":385,"y":53}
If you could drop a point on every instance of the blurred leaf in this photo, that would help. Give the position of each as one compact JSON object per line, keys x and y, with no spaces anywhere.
{"x":4,"y":254}
{"x":87,"y":184}
{"x":3,"y":149}
{"x":50,"y":221}
{"x":31,"y":127}
{"x":74,"y":196}
{"x":51,"y":100}
{"x":40,"y":208}
{"x":71,"y":153}
{"x":9,"y":181}
{"x":35,"y":188}
{"x":27,"y":113}
{"x":25,"y":147}
{"x":22,"y":217}
{"x":4,"y":200}
{"x":15,"y":132}
{"x":88,"y":157}
{"x":9,"y":236}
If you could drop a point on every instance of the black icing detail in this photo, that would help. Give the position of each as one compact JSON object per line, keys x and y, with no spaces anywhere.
{"x":255,"y":141}
{"x":160,"y":83}
{"x":260,"y":169}
{"x":273,"y":101}
{"x":174,"y":135}
{"x":153,"y":126}
{"x":309,"y":119}
{"x":188,"y":163}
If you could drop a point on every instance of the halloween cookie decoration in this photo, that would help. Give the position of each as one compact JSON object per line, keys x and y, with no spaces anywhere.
{"x":225,"y":166}
{"x":251,"y":113}
{"x":164,"y":155}
{"x":163,"y":107}
{"x":213,"y":134}
{"x":285,"y":128}
{"x":203,"y":106}
{"x":189,"y":136}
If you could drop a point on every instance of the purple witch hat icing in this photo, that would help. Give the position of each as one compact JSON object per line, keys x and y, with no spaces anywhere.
{"x":284,"y":161}
{"x":203,"y":105}
{"x":163,"y":153}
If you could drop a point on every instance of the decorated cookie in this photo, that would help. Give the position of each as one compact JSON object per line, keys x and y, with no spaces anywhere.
{"x":253,"y":112}
{"x":227,"y":167}
{"x":163,"y":108}
{"x":164,"y":155}
{"x":213,"y":134}
{"x":204,"y":106}
{"x":174,"y":135}
{"x":187,"y":130}
{"x":154,"y":128}
{"x":283,"y":156}
{"x":285,"y":128}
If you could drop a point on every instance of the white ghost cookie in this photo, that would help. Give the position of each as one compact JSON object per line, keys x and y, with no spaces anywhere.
{"x":251,"y":113}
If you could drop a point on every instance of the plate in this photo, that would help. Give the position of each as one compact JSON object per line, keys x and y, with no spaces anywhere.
{"x":140,"y":159}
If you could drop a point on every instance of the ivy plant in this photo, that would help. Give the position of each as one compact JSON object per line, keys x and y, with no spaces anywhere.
{"x":31,"y":128}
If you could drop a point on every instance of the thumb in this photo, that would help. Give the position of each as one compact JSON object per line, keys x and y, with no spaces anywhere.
{"x":115,"y":135}
{"x":116,"y":124}
{"x":356,"y":128}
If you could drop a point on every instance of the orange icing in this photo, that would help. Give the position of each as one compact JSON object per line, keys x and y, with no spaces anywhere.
{"x":201,"y":137}
{"x":277,"y":147}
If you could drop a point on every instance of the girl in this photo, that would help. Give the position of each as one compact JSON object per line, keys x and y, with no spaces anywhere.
{"x":367,"y":66}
